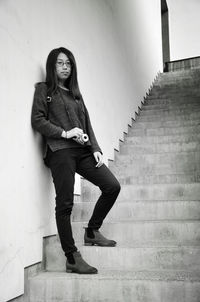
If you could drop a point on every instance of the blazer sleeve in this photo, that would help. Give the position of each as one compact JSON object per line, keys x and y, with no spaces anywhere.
{"x":39,"y":115}
{"x":94,"y":144}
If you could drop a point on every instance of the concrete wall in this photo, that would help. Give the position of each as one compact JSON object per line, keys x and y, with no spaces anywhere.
{"x":184,"y":26}
{"x":117,"y":45}
{"x":139,"y":27}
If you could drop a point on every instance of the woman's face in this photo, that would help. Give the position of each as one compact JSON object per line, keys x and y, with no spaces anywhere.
{"x":63,"y":67}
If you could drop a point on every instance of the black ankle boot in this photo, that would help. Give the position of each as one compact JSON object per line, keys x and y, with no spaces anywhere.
{"x":94,"y":237}
{"x":79,"y":266}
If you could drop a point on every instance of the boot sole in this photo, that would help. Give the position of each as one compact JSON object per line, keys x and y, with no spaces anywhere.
{"x":82,"y":273}
{"x":99,"y":244}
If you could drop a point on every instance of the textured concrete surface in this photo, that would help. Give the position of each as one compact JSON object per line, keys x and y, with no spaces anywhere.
{"x":153,"y":192}
{"x":142,"y":210}
{"x":116,"y":286}
{"x":144,"y":232}
{"x":125,"y":258}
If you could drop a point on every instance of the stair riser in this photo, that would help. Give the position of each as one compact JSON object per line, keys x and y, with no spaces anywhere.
{"x":173,"y":81}
{"x":171,"y":107}
{"x":155,"y":233}
{"x":191,"y":77}
{"x":186,"y":117}
{"x":167,"y":158}
{"x":174,"y":93}
{"x":178,"y":83}
{"x":191,"y":84}
{"x":181,"y":160}
{"x":179,"y":101}
{"x":135,"y":169}
{"x":186,"y":138}
{"x":168,"y":124}
{"x":135,"y":211}
{"x":158,"y":179}
{"x":135,"y":259}
{"x":145,"y":233}
{"x":190,"y":130}
{"x":152,"y":170}
{"x":160,"y":148}
{"x":148,"y":192}
{"x":175,"y":96}
{"x":160,"y":192}
{"x":62,"y":290}
{"x":166,"y":112}
{"x":183,"y":157}
{"x":191,"y":90}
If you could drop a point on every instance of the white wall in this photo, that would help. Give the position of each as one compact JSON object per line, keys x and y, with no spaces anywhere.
{"x":139,"y":27}
{"x":117,"y":45}
{"x":184,"y":28}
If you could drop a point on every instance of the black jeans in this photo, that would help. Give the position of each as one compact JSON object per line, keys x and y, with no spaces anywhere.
{"x":63,"y":164}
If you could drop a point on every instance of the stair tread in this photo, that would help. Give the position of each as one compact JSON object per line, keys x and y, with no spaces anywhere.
{"x":170,"y":221}
{"x":189,"y":152}
{"x":141,"y":245}
{"x":147,"y":245}
{"x":124,"y":275}
{"x":142,"y":201}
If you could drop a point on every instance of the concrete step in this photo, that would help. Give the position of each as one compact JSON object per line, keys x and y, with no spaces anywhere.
{"x":157,"y":158}
{"x":177,"y":93}
{"x":158,"y":107}
{"x":177,"y":82}
{"x":164,"y":123}
{"x":146,"y":179}
{"x":128,"y":179}
{"x":141,"y":210}
{"x":159,"y":148}
{"x":161,"y":95}
{"x":136,"y":164}
{"x":154,"y":233}
{"x":175,"y":85}
{"x":180,"y":138}
{"x":170,"y":112}
{"x":180,"y":75}
{"x":170,"y":89}
{"x":130,"y":193}
{"x":118,"y":286}
{"x":160,"y":192}
{"x":162,"y":131}
{"x":175,"y":89}
{"x":169,"y":117}
{"x":127,"y":258}
{"x":137,"y":169}
{"x":172,"y":99}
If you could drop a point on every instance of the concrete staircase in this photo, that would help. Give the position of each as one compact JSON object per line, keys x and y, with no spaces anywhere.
{"x":156,"y":220}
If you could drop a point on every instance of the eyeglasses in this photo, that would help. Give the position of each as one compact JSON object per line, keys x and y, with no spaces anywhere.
{"x":61,"y":64}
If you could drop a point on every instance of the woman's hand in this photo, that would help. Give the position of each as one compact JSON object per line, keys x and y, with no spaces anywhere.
{"x":99,"y":158}
{"x":75,"y":132}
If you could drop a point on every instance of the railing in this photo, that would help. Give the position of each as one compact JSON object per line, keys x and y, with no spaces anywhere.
{"x":183,"y":64}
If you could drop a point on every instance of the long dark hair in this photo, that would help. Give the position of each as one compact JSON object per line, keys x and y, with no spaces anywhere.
{"x":51,"y":79}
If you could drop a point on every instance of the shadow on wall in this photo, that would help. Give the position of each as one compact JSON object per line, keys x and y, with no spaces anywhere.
{"x":42,"y":74}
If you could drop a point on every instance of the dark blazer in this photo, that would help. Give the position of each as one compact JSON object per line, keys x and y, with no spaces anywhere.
{"x":51,"y":118}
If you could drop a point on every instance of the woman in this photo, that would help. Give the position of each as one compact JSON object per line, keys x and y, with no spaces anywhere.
{"x":60,"y":115}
